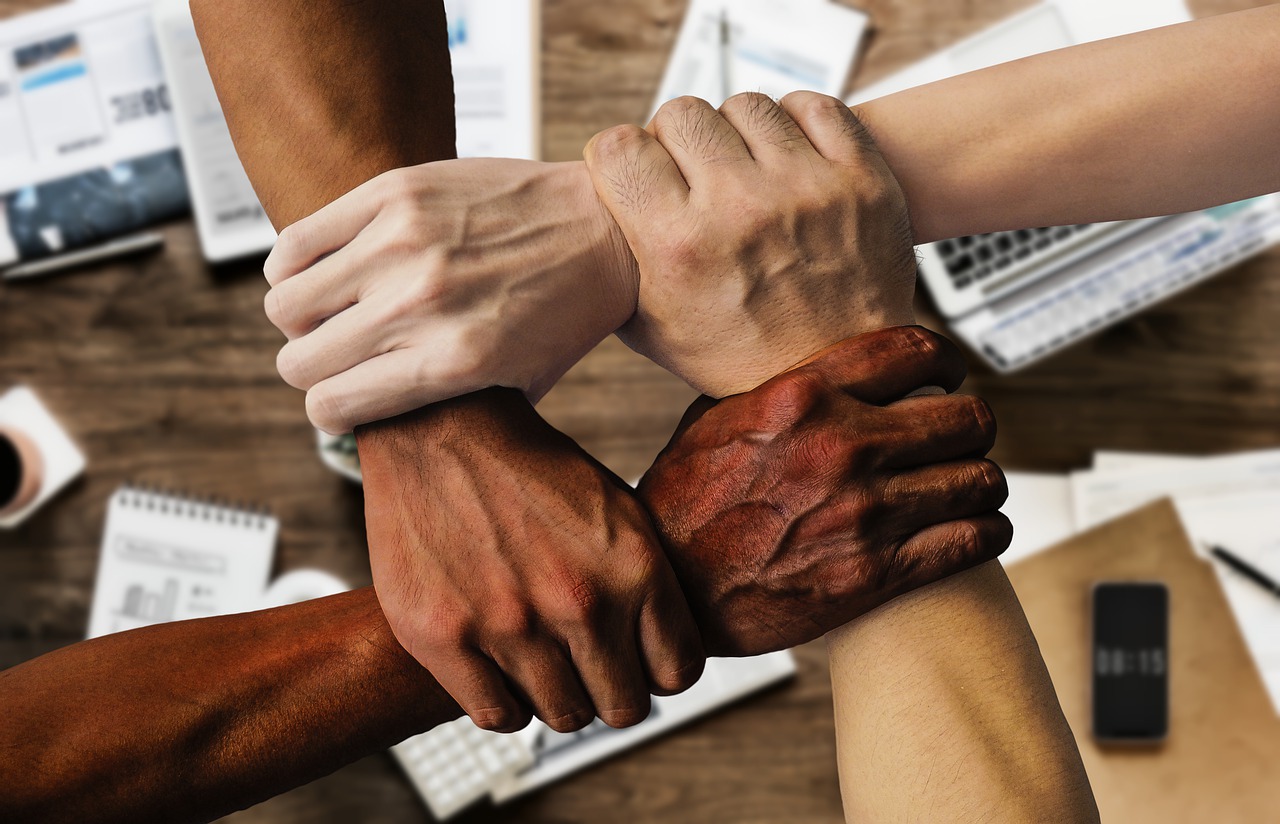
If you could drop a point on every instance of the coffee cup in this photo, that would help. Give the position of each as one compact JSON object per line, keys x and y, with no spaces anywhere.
{"x":21,"y":471}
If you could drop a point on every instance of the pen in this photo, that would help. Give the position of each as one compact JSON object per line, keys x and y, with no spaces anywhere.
{"x":726,"y":53}
{"x":1246,"y":569}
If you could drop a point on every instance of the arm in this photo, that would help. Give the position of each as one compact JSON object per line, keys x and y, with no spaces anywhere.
{"x":1169,"y":120}
{"x":501,"y":556}
{"x":277,"y":698}
{"x":945,"y":711}
{"x":944,"y":707}
{"x":1158,"y":122}
{"x":196,"y":719}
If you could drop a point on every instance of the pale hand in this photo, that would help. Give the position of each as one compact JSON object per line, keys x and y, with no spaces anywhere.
{"x":763,"y":232}
{"x":433,"y":281}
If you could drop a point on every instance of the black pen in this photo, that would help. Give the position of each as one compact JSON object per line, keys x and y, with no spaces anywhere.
{"x":1246,"y":569}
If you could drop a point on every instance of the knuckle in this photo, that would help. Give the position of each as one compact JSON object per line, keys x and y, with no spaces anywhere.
{"x":810,"y":104}
{"x":615,"y":143}
{"x":966,"y":539}
{"x":580,"y":605}
{"x":326,"y":411}
{"x":746,"y":102}
{"x":499,"y":719}
{"x":627,"y":715}
{"x":681,"y":677}
{"x":994,"y":481}
{"x":570,"y":721}
{"x":983,"y":416}
{"x":292,"y":367}
{"x":274,"y":307}
{"x":926,"y":343}
{"x":681,"y":108}
{"x":510,"y":624}
{"x":793,"y":397}
{"x":861,"y":512}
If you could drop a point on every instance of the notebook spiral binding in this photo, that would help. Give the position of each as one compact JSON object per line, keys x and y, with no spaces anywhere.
{"x":184,"y":505}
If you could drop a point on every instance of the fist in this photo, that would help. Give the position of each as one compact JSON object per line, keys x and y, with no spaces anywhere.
{"x":763,"y":232}
{"x":793,"y":509}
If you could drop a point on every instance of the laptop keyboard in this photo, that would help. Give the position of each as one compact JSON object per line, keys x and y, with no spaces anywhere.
{"x":972,"y":259}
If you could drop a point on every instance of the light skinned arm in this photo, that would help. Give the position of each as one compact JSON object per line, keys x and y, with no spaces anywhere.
{"x":945,"y":710}
{"x":519,"y":571}
{"x":1170,"y":120}
{"x":1158,"y":122}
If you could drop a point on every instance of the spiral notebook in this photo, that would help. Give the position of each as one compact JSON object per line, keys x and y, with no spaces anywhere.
{"x":167,"y":557}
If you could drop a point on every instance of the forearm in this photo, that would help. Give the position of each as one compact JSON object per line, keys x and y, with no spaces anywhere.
{"x":195,"y":719}
{"x":322,"y":95}
{"x":945,"y":711}
{"x":1158,"y":122}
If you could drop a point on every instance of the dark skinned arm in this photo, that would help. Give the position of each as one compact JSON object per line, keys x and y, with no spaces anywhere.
{"x":566,"y":594}
{"x":196,"y":719}
{"x":192,"y":720}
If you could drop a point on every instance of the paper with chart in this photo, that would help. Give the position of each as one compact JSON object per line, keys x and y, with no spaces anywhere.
{"x":166,"y":558}
{"x":1232,"y":502}
{"x":767,"y":46}
{"x":495,"y":50}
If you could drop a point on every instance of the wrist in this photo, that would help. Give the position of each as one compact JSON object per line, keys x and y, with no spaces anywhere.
{"x":615,"y":264}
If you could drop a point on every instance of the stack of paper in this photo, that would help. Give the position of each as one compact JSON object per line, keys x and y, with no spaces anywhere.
{"x":769,"y":46}
{"x":1230,"y":501}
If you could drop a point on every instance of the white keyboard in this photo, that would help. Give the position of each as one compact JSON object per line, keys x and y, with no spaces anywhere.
{"x":1120,"y":282}
{"x":458,"y":763}
{"x":455,"y":764}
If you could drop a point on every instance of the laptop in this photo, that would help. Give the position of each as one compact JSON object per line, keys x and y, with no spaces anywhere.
{"x":1018,"y":296}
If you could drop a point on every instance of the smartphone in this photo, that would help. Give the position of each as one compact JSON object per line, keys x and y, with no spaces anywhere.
{"x":1130,"y":662}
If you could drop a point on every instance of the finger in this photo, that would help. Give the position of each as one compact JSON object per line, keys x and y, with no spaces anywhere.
{"x":919,"y":498}
{"x":634,"y":176}
{"x":335,"y":225}
{"x":883,"y":366}
{"x":930,"y":429}
{"x":609,"y":666}
{"x":299,"y":304}
{"x":543,"y":672}
{"x":943,"y":549}
{"x":831,"y":128}
{"x":385,"y":386}
{"x":341,"y":342}
{"x":670,"y":644}
{"x":765,"y":127}
{"x":479,"y":687}
{"x":699,"y":139}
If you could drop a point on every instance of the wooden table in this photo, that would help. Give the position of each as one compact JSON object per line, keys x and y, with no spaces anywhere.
{"x":164,"y":371}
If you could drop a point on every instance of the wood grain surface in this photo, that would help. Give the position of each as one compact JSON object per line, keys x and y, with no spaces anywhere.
{"x":163,"y":369}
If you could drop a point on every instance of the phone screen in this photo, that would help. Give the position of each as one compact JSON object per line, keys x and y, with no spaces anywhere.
{"x":1130,"y":661}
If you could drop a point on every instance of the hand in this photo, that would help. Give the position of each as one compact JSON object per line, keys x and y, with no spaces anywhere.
{"x":763,"y":233}
{"x":795,"y":508}
{"x":520,"y":571}
{"x":437,"y":280}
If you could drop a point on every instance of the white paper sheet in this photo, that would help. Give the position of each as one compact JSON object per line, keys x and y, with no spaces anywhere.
{"x":166,"y":558}
{"x":494,"y":45}
{"x":81,"y":87}
{"x":1232,"y":502}
{"x":775,"y":47}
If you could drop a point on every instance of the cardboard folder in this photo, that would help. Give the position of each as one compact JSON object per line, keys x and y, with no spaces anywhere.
{"x":1221,"y":761}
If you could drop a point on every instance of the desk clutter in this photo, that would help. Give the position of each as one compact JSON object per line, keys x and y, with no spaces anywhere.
{"x":1221,"y":758}
{"x":169,"y":557}
{"x":1226,"y":503}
